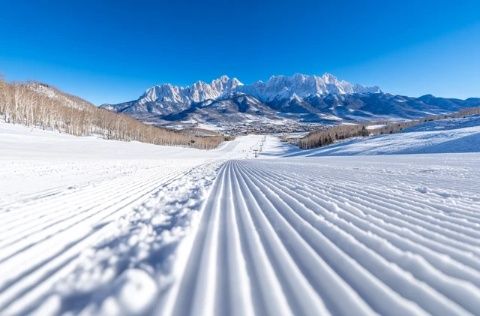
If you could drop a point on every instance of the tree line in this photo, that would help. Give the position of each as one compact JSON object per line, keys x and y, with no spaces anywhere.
{"x":329,"y":134}
{"x":23,"y":103}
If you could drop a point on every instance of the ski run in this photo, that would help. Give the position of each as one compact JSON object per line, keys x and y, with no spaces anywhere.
{"x":95,"y":227}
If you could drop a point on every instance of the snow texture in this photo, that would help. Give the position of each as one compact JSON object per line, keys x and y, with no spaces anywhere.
{"x":97,"y":227}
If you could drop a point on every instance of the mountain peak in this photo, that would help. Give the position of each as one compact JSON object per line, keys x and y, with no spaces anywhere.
{"x":276,"y":87}
{"x":223,"y":78}
{"x":302,"y":85}
{"x":329,"y":77}
{"x":168,"y":98}
{"x":197,"y":92}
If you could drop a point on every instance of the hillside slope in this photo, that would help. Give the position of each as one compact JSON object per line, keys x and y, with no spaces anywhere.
{"x":37,"y":104}
{"x":444,"y":136}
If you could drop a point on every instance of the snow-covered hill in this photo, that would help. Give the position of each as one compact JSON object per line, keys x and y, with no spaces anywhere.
{"x":40,"y":105}
{"x":459,"y":135}
{"x":66,"y":99}
{"x":298,"y":98}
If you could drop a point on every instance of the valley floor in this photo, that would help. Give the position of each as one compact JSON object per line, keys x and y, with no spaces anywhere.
{"x":87,"y":226}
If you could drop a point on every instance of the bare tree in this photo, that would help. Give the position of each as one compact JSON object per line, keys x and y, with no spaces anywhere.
{"x":329,"y":134}
{"x":25,"y":103}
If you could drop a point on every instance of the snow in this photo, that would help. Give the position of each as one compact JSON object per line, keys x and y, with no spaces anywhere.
{"x":339,"y":235}
{"x":32,"y":159}
{"x":296,"y":86}
{"x":53,"y":93}
{"x":446,"y":136}
{"x":98,"y":227}
{"x":197,"y":92}
{"x":209,"y":127}
{"x":376,"y":126}
{"x":62,"y":196}
{"x":300,"y":86}
{"x":167,"y":99}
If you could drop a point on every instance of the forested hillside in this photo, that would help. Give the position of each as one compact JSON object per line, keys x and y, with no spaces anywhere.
{"x":40,"y":105}
{"x":329,"y":134}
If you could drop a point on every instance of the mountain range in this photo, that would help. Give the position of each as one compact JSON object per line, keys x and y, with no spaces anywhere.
{"x":297,"y":99}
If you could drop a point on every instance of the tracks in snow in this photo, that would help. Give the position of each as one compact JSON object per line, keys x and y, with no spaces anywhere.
{"x":43,"y":237}
{"x":292,"y":239}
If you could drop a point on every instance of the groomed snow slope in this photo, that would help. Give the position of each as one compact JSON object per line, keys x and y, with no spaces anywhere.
{"x":189,"y":232}
{"x":64,"y":197}
{"x":394,"y":235}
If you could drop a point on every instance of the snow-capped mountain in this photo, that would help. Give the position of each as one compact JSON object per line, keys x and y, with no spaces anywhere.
{"x":198,"y":92}
{"x":302,"y":86}
{"x":167,"y":99}
{"x":299,"y":98}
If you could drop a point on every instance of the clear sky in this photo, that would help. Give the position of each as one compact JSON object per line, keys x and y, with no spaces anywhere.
{"x":111,"y":51}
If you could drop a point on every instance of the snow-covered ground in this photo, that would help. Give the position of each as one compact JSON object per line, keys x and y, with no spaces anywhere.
{"x":444,"y":136}
{"x":396,"y":235}
{"x":99,"y":227}
{"x":65,"y":197}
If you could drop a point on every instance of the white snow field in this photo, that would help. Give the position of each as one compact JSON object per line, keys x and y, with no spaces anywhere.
{"x":444,"y":136}
{"x":98,"y":227}
{"x":396,"y":235}
{"x":85,"y":210}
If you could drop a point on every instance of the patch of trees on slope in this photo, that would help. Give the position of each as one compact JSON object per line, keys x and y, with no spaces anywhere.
{"x":40,"y":105}
{"x":330,"y":134}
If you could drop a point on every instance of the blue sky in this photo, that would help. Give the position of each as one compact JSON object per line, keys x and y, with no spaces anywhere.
{"x":111,"y":51}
